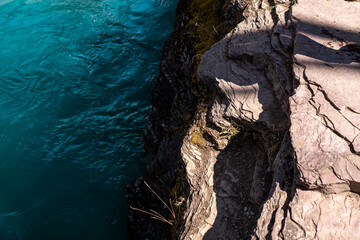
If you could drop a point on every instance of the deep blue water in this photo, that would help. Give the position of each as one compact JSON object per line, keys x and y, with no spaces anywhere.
{"x":75,"y":85}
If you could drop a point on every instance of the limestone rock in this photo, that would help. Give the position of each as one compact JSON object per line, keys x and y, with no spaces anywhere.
{"x":247,"y":74}
{"x":325,"y":104}
{"x":272,"y":150}
{"x":251,"y":85}
{"x":324,"y":116}
{"x":314,"y":215}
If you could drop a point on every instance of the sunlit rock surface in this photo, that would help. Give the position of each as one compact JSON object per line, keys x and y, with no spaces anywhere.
{"x":272,"y":151}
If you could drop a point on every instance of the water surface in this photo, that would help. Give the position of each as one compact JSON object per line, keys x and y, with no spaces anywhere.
{"x":75,"y":83}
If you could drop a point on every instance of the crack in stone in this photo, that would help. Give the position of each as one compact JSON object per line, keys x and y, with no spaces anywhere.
{"x":312,"y":101}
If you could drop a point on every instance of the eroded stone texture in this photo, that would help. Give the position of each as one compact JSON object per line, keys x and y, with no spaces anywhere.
{"x":314,"y":215}
{"x":325,"y":103}
{"x":324,"y":116}
{"x":246,"y":71}
{"x":249,"y":70}
{"x":219,"y":190}
{"x":274,"y":154}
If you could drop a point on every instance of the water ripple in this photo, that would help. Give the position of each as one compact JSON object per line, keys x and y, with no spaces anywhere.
{"x":75,"y":85}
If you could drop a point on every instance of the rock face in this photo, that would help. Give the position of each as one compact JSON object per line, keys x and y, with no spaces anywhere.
{"x":325,"y":103}
{"x":325,"y":122}
{"x":271,"y":149}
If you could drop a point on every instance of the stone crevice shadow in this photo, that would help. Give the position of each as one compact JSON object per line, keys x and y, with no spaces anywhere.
{"x":234,"y":167}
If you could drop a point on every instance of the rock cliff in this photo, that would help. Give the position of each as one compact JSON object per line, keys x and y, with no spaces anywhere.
{"x":261,"y":138}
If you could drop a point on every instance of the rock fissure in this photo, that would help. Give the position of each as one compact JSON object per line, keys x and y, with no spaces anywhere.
{"x":267,"y":130}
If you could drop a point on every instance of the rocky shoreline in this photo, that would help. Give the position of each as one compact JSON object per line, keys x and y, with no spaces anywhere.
{"x":261,"y":138}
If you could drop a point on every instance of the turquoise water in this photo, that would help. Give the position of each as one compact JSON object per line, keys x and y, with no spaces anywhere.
{"x":75,"y":85}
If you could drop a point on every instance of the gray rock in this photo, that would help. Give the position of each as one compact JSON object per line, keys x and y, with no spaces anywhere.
{"x":275,"y":153}
{"x":325,"y":104}
{"x":250,"y":83}
{"x":275,"y":72}
{"x":324,"y":116}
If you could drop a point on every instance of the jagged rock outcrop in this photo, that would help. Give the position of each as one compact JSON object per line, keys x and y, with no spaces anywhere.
{"x":325,"y":121}
{"x":266,"y":137}
{"x":176,"y":97}
{"x":246,"y":71}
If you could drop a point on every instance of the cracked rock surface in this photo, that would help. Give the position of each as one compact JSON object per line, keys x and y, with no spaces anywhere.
{"x":325,"y":103}
{"x":272,"y":150}
{"x":289,"y":72}
{"x":323,"y":202}
{"x":325,"y":122}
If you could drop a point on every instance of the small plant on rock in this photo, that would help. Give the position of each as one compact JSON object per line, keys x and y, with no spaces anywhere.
{"x":227,"y":132}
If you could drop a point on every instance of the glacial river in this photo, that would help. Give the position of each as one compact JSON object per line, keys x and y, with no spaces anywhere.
{"x":75,"y":85}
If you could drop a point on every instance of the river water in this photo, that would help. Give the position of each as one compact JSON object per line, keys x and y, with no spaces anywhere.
{"x":75,"y":85}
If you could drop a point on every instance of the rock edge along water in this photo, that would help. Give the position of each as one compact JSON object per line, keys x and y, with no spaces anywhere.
{"x":177,"y":95}
{"x":276,"y":126}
